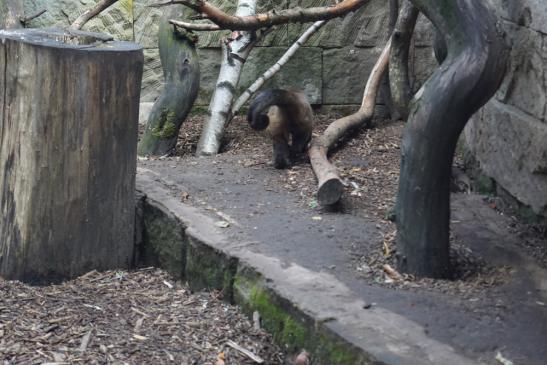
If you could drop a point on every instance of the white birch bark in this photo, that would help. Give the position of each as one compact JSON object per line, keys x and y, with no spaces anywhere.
{"x":234,"y":55}
{"x":251,"y":90}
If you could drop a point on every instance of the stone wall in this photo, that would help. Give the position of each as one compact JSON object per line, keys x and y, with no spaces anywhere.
{"x":332,"y":68}
{"x":508,"y":137}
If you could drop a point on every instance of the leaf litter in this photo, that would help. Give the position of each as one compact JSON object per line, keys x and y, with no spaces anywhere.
{"x":118,"y":317}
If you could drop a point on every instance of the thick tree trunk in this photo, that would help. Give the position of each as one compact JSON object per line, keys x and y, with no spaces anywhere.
{"x":399,"y":79}
{"x":181,"y":73}
{"x":11,"y":13}
{"x":469,"y":76}
{"x":234,"y":54}
{"x":69,"y":106}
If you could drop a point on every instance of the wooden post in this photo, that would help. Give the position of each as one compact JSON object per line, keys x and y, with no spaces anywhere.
{"x":68,"y":135}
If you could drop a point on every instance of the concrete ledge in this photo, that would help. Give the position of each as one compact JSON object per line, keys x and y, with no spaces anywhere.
{"x":300,"y":307}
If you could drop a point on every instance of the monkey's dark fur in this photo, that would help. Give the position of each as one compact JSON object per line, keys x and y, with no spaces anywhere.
{"x":284,"y":114}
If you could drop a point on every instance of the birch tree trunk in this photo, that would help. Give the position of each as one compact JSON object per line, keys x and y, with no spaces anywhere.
{"x":234,"y":54}
{"x":471,"y":73}
{"x":69,"y":105}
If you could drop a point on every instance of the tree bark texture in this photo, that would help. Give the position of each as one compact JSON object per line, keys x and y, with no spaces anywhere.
{"x":68,"y":129}
{"x":255,"y":21}
{"x":401,"y":91}
{"x":330,"y":186}
{"x":11,"y":13}
{"x":180,"y":65}
{"x":234,"y":55}
{"x":469,"y":76}
{"x":385,"y":90}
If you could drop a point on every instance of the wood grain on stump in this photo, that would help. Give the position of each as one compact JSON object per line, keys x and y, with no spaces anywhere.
{"x":68,"y":135}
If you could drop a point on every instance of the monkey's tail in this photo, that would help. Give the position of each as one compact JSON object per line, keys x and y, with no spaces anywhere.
{"x":264,"y":100}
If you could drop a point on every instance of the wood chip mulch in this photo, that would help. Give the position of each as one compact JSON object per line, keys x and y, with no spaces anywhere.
{"x":118,"y":317}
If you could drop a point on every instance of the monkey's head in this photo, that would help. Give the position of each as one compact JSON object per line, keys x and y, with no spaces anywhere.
{"x":258,"y":122}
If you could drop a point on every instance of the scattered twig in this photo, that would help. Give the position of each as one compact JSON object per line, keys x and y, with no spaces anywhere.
{"x":85,"y":341}
{"x":256,"y":320}
{"x":392,"y":273}
{"x":168,"y":284}
{"x":140,"y":313}
{"x":245,"y":352}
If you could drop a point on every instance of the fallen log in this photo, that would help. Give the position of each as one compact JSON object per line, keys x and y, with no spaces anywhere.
{"x":330,"y":186}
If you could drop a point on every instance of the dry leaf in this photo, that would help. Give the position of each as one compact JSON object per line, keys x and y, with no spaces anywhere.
{"x":303,"y":358}
{"x":222,"y":224}
{"x":220,"y":359}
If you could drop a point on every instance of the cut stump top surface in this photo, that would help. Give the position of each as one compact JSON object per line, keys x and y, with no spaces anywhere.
{"x":68,"y":39}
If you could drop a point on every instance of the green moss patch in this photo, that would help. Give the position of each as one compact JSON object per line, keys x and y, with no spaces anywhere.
{"x":207,"y":268}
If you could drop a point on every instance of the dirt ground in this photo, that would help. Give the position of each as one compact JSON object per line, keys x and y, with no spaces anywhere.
{"x":369,"y":163}
{"x":117,"y":317}
{"x":145,"y":317}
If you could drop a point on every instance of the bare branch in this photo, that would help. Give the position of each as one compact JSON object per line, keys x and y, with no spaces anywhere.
{"x":330,"y":185}
{"x":251,"y":90}
{"x":252,"y":22}
{"x":89,"y":14}
{"x":27,"y":19}
{"x":195,"y":26}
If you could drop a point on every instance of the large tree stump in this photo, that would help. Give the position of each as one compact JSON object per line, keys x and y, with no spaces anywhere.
{"x":68,"y":137}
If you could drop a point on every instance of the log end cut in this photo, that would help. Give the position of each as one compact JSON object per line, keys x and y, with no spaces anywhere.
{"x":330,"y":191}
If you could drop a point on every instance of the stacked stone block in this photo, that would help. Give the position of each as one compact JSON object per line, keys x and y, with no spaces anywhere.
{"x":508,"y":136}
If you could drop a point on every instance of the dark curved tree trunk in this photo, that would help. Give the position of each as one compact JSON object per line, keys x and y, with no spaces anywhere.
{"x":179,"y":60}
{"x":398,"y":59}
{"x":469,"y":76}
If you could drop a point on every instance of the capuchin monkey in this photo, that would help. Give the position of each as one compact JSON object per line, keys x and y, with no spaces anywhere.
{"x":285,"y":114}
